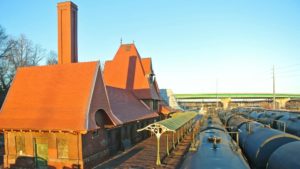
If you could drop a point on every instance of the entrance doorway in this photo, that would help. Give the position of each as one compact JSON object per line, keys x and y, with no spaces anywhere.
{"x":41,"y":152}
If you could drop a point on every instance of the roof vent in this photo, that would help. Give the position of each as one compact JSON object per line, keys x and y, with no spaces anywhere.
{"x":215,"y":140}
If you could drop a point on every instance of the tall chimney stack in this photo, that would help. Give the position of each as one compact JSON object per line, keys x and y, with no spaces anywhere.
{"x":67,"y":32}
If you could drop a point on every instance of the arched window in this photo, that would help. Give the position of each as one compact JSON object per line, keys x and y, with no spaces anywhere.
{"x":102,"y":119}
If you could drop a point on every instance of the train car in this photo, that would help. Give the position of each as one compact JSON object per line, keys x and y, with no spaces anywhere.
{"x":259,"y":144}
{"x":286,"y":121}
{"x":277,"y":119}
{"x":243,"y":126}
{"x":216,"y":150}
{"x":235,"y":121}
{"x":267,"y":117}
{"x":222,"y":114}
{"x":245,"y":129}
{"x":257,"y":141}
{"x":255,"y":115}
{"x":282,"y":158}
{"x":292,"y":124}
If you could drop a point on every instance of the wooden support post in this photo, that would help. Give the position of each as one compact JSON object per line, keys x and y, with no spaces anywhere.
{"x":158,"y":154}
{"x":173,"y":140}
{"x":180,"y":134}
{"x":167,"y":144}
{"x":193,"y":136}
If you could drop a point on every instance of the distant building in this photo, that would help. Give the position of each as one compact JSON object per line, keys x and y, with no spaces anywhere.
{"x":71,"y":115}
{"x":168,"y":97}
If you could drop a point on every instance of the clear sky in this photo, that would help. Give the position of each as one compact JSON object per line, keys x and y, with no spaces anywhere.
{"x":192,"y":43}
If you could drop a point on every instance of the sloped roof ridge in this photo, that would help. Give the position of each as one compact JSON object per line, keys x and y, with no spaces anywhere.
{"x":21,"y":76}
{"x":135,"y":51}
{"x":91,"y":95}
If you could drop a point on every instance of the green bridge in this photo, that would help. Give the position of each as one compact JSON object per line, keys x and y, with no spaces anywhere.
{"x":228,"y":99}
{"x":236,"y":96}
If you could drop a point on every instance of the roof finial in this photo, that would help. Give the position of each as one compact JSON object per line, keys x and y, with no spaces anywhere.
{"x":121,"y":41}
{"x":133,"y":41}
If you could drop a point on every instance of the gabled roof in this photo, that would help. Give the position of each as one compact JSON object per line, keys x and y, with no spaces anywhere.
{"x":131,"y":73}
{"x":58,"y":97}
{"x":126,"y":107}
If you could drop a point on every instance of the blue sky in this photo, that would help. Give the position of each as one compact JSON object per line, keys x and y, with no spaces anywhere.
{"x":192,"y":43}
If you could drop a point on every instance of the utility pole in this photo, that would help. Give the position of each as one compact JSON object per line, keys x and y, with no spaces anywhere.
{"x":274,"y":98}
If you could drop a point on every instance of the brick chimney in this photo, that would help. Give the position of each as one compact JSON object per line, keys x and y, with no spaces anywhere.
{"x":67,"y":32}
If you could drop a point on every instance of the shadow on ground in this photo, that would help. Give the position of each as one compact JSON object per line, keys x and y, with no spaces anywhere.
{"x":119,"y":160}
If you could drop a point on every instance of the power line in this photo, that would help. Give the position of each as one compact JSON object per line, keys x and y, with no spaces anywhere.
{"x":288,"y":71}
{"x":289,"y":76}
{"x":287,"y":66}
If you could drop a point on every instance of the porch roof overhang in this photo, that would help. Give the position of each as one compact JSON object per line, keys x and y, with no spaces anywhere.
{"x":171,"y":124}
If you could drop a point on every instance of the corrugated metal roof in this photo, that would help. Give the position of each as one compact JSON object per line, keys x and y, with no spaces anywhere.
{"x":177,"y":121}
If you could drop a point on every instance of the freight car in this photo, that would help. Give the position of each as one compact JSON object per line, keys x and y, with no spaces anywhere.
{"x":292,"y":124}
{"x":277,"y":119}
{"x":263,"y":145}
{"x":216,"y":149}
{"x":285,"y":157}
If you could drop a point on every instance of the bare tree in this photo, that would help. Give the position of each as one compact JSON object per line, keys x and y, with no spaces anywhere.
{"x":6,"y":45}
{"x":15,"y":53}
{"x":52,"y":58}
{"x":24,"y":53}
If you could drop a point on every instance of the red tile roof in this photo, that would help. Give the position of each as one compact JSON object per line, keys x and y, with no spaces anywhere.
{"x":147,"y":64}
{"x":58,"y":97}
{"x":126,"y":107}
{"x":66,"y":96}
{"x":127,"y":71}
{"x":166,"y":110}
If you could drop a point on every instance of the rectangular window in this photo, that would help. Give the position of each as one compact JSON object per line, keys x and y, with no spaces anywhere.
{"x":155,"y":105}
{"x":20,"y":145}
{"x":62,"y":148}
